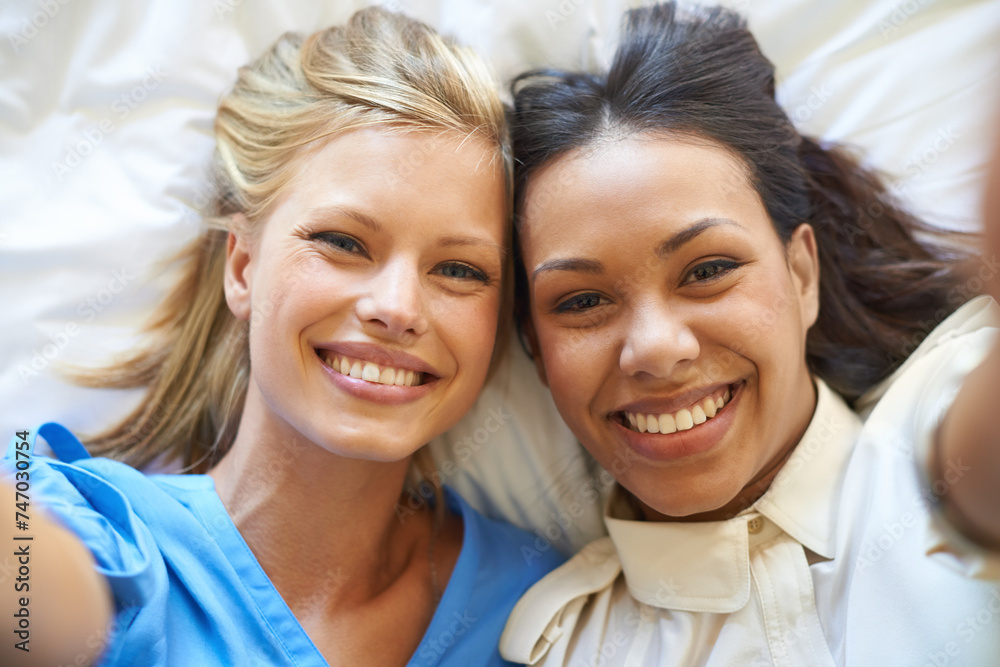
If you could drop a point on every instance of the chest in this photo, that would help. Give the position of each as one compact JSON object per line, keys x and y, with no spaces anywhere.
{"x":879,"y":600}
{"x":383,"y":632}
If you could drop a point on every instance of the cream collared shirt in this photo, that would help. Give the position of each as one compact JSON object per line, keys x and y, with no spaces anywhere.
{"x":843,"y":561}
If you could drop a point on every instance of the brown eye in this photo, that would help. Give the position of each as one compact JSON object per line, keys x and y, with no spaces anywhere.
{"x":709,"y":270}
{"x":579,"y":302}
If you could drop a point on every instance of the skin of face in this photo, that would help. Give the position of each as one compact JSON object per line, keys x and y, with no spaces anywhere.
{"x":387,"y":247}
{"x":656,"y":279}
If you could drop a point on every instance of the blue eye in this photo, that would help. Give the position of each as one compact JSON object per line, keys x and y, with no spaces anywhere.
{"x":460,"y":271}
{"x":341,"y":242}
{"x":580,"y":303}
{"x":710,"y":270}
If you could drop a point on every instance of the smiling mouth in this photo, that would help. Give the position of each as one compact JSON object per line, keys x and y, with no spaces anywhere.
{"x":368,"y":371}
{"x":682,"y":420}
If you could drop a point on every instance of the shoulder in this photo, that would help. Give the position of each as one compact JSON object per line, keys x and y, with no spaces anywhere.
{"x":116,"y":511}
{"x":940,"y":359}
{"x":71,"y":478}
{"x":547,"y":615}
{"x":902,"y":417}
{"x":504,"y":549}
{"x":497,"y":564}
{"x":75,"y":487}
{"x":906,"y":409}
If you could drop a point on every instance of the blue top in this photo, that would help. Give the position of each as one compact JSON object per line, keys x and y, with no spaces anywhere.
{"x":188,"y":590}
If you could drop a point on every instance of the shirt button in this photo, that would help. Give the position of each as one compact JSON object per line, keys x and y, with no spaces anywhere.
{"x":755,"y":525}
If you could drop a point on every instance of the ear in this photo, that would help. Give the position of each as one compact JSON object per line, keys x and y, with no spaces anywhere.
{"x":803,"y":263}
{"x":528,"y":327}
{"x":237,"y":272}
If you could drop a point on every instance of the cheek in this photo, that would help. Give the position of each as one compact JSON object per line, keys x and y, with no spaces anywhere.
{"x":468,"y":325}
{"x":765,"y":312}
{"x":576,"y":361}
{"x":267,"y":298}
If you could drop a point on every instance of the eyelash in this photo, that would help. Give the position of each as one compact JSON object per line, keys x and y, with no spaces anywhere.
{"x":338,"y":241}
{"x":721,"y":266}
{"x":570,"y":304}
{"x":476,"y":274}
{"x":333,"y":240}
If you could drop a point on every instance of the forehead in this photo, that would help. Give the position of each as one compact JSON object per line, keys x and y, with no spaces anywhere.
{"x":401,"y":175}
{"x":395,"y":157}
{"x":623,"y":186}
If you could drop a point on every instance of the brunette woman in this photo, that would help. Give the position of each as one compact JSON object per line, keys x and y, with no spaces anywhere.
{"x":740,"y":325}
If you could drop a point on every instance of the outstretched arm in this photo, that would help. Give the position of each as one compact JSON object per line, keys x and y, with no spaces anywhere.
{"x":971,"y":431}
{"x":50,"y":595}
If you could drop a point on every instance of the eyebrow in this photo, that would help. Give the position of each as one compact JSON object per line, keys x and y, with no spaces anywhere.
{"x":674,"y":243}
{"x":671,"y":245}
{"x":591,"y":266}
{"x":464,"y":241}
{"x":324,"y":212}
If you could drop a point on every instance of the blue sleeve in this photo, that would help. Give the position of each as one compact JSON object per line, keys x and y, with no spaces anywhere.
{"x":81,"y":496}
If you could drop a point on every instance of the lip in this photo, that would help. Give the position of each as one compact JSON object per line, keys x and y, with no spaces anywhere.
{"x":383,"y":394}
{"x":381,"y":356}
{"x":681,"y":444}
{"x":674,"y":403}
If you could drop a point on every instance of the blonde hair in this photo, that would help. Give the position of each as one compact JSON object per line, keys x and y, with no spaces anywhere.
{"x":380,"y":69}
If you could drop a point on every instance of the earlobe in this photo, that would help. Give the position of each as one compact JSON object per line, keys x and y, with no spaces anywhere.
{"x":528,"y":327}
{"x":803,"y":262}
{"x":236,"y":279}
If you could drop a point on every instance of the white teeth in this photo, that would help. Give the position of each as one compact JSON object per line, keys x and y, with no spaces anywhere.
{"x":372,"y":372}
{"x":652,"y":424}
{"x":684,"y":419}
{"x":667,"y":424}
{"x":709,"y":406}
{"x":698,"y":415}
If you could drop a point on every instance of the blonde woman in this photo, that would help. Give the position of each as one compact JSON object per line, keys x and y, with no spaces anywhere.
{"x":341,"y":311}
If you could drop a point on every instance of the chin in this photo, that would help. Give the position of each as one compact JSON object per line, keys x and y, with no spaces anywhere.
{"x":375,"y":448}
{"x":682,"y":509}
{"x":685,"y":502}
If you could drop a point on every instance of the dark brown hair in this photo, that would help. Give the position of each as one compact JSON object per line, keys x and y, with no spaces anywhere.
{"x":698,"y":73}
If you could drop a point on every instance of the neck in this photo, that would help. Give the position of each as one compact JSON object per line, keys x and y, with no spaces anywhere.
{"x":324,"y":527}
{"x":750,"y":494}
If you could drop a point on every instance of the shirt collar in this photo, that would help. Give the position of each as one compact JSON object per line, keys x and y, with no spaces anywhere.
{"x":706,"y":566}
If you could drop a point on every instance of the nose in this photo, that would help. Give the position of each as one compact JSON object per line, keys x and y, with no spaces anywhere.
{"x":393,"y":306}
{"x":658,"y":342}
